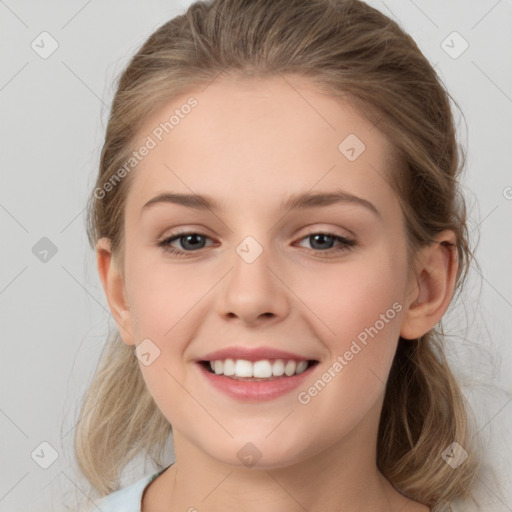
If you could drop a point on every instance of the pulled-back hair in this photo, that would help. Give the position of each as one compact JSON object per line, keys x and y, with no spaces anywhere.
{"x":351,"y":51}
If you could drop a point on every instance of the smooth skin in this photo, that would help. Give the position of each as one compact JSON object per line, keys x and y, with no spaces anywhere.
{"x":250,"y":144}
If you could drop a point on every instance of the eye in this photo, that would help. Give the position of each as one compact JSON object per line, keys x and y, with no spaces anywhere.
{"x":192,"y":241}
{"x":321,"y":239}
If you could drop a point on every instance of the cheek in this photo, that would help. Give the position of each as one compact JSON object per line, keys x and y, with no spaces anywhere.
{"x":357,"y":308}
{"x":165,"y":301}
{"x":161,"y":294}
{"x":350,"y":296}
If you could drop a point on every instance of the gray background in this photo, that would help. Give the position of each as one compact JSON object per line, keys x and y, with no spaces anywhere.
{"x":55,"y":316}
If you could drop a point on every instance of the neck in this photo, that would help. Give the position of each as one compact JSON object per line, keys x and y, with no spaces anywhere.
{"x":340,"y":477}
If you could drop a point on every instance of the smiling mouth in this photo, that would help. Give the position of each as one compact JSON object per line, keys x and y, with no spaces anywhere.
{"x":206,"y":365}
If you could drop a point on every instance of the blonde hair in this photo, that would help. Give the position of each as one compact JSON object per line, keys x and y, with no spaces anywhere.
{"x":351,"y":51}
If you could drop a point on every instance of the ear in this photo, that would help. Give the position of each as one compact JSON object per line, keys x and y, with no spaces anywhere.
{"x":113,"y":285}
{"x":431,"y":287}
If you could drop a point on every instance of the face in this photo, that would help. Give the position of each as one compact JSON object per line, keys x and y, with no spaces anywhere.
{"x":258,"y":273}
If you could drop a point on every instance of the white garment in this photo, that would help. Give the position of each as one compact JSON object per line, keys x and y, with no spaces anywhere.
{"x":128,"y":499}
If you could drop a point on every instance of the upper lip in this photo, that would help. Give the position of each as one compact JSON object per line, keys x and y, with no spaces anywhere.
{"x":252,"y":354}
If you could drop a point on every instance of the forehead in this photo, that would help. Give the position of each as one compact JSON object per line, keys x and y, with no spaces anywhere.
{"x":251,"y":140}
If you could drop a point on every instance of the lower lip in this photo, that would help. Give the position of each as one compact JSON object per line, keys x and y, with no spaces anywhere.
{"x":256,"y":390}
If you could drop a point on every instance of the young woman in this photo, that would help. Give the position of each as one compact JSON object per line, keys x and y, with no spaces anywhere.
{"x":279,"y":231}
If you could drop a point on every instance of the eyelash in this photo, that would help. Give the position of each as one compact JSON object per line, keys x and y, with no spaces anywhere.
{"x":347,"y":243}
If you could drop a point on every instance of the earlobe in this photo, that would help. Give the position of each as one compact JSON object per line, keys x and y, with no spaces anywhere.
{"x":114,"y":288}
{"x":434,"y":283}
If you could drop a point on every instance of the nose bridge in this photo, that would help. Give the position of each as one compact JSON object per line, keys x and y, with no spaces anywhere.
{"x":252,"y":264}
{"x":252,"y":288}
{"x":252,"y":235}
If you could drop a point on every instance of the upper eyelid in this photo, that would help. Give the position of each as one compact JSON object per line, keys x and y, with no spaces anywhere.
{"x":315,"y":227}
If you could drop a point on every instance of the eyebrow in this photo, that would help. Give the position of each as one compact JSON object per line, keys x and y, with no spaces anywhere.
{"x":300,"y":201}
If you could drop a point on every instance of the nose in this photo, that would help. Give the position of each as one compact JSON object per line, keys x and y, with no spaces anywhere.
{"x":254,"y":292}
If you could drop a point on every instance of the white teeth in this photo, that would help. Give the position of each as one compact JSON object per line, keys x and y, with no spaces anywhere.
{"x":278,"y":368}
{"x":217,"y":367}
{"x":290,"y":368}
{"x":301,"y":366}
{"x":243,"y":368}
{"x":229,"y":367}
{"x":260,"y":369}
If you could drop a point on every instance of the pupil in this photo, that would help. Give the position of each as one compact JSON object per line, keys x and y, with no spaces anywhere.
{"x":322,"y":237}
{"x":193,"y":237}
